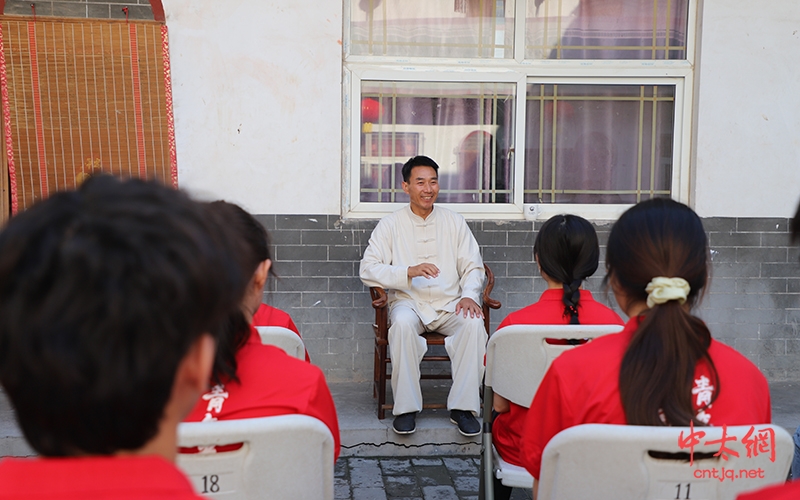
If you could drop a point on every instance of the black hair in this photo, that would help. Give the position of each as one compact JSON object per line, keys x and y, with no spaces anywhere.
{"x":661,"y":237}
{"x":256,"y":247}
{"x":232,"y":336}
{"x":795,"y":225}
{"x":567,"y":250}
{"x":418,"y":161}
{"x":102,"y":292}
{"x":254,"y":251}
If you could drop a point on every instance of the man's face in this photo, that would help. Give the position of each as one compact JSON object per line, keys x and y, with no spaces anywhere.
{"x":423,"y":188}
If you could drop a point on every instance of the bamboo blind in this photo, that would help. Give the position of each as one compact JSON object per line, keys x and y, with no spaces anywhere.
{"x":5,"y":194}
{"x":82,"y":96}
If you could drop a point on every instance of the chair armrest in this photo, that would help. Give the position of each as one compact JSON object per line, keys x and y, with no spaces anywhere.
{"x":379,"y":297}
{"x":381,"y":326}
{"x":487,"y":300}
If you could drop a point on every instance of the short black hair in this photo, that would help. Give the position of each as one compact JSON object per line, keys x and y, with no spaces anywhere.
{"x":418,"y":161}
{"x":102,"y":292}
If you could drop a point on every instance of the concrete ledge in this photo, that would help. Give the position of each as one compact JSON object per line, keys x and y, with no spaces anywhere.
{"x":363,"y":435}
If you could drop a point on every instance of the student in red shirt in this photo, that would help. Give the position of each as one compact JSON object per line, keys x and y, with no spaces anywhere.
{"x":109,"y":296}
{"x":567,"y":253}
{"x":663,"y":368}
{"x":266,"y":315}
{"x":251,"y":379}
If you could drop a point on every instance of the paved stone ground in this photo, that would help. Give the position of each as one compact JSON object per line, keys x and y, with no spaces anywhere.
{"x":401,"y":478}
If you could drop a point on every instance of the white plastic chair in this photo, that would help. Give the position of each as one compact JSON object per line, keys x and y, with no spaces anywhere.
{"x":602,"y":461}
{"x":286,"y":457}
{"x":284,"y":338}
{"x":517,"y":357}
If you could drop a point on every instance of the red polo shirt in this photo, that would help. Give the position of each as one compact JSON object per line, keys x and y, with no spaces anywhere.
{"x":93,"y":478}
{"x":270,"y":383}
{"x":272,"y":316}
{"x":787,"y":491}
{"x":582,"y":387}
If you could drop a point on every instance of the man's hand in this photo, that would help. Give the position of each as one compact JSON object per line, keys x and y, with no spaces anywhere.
{"x":424,"y":269}
{"x":468,"y":306}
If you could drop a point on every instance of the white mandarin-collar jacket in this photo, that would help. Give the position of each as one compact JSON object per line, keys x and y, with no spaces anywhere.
{"x":403,"y":239}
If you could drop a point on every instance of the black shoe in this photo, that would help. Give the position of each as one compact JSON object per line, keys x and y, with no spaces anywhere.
{"x":405,"y":423}
{"x":467,"y":424}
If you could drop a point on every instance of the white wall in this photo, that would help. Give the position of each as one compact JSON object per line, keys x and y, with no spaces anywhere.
{"x":257,"y":101}
{"x":748,"y":149}
{"x":257,"y":89}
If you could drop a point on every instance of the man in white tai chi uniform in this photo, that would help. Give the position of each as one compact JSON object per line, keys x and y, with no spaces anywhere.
{"x":430,"y":264}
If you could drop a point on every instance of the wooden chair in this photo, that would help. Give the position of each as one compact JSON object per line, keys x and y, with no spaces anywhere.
{"x":381,"y":327}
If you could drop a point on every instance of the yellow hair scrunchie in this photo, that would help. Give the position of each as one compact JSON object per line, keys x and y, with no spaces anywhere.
{"x":661,"y":289}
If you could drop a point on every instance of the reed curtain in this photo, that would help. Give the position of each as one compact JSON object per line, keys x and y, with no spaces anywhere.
{"x":82,"y":96}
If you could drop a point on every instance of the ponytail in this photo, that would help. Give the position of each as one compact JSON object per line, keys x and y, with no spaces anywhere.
{"x":253,"y":248}
{"x":657,"y":370}
{"x":657,"y":254}
{"x":232,"y":335}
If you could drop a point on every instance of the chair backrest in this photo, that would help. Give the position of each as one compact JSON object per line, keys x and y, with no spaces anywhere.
{"x":602,"y":461}
{"x":283,"y":457}
{"x":284,"y":338}
{"x":518,"y":356}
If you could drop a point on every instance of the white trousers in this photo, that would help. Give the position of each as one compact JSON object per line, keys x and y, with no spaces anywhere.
{"x":465,"y":344}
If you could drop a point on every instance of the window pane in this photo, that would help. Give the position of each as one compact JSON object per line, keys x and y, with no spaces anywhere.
{"x":467,"y":128}
{"x":432,"y":28}
{"x":606,"y":29}
{"x":598,"y":143}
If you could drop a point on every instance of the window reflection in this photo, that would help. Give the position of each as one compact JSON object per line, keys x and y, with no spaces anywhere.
{"x":598,"y":143}
{"x":606,"y":29}
{"x":466,"y":127}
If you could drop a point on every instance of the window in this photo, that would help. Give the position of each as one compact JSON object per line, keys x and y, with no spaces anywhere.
{"x":530,"y":107}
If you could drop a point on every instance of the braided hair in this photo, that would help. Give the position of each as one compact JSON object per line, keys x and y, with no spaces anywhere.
{"x":567,"y":250}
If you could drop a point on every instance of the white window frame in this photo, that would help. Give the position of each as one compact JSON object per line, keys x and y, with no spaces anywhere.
{"x":677,"y":73}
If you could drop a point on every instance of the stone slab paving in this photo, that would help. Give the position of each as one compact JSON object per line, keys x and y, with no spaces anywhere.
{"x":410,"y":478}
